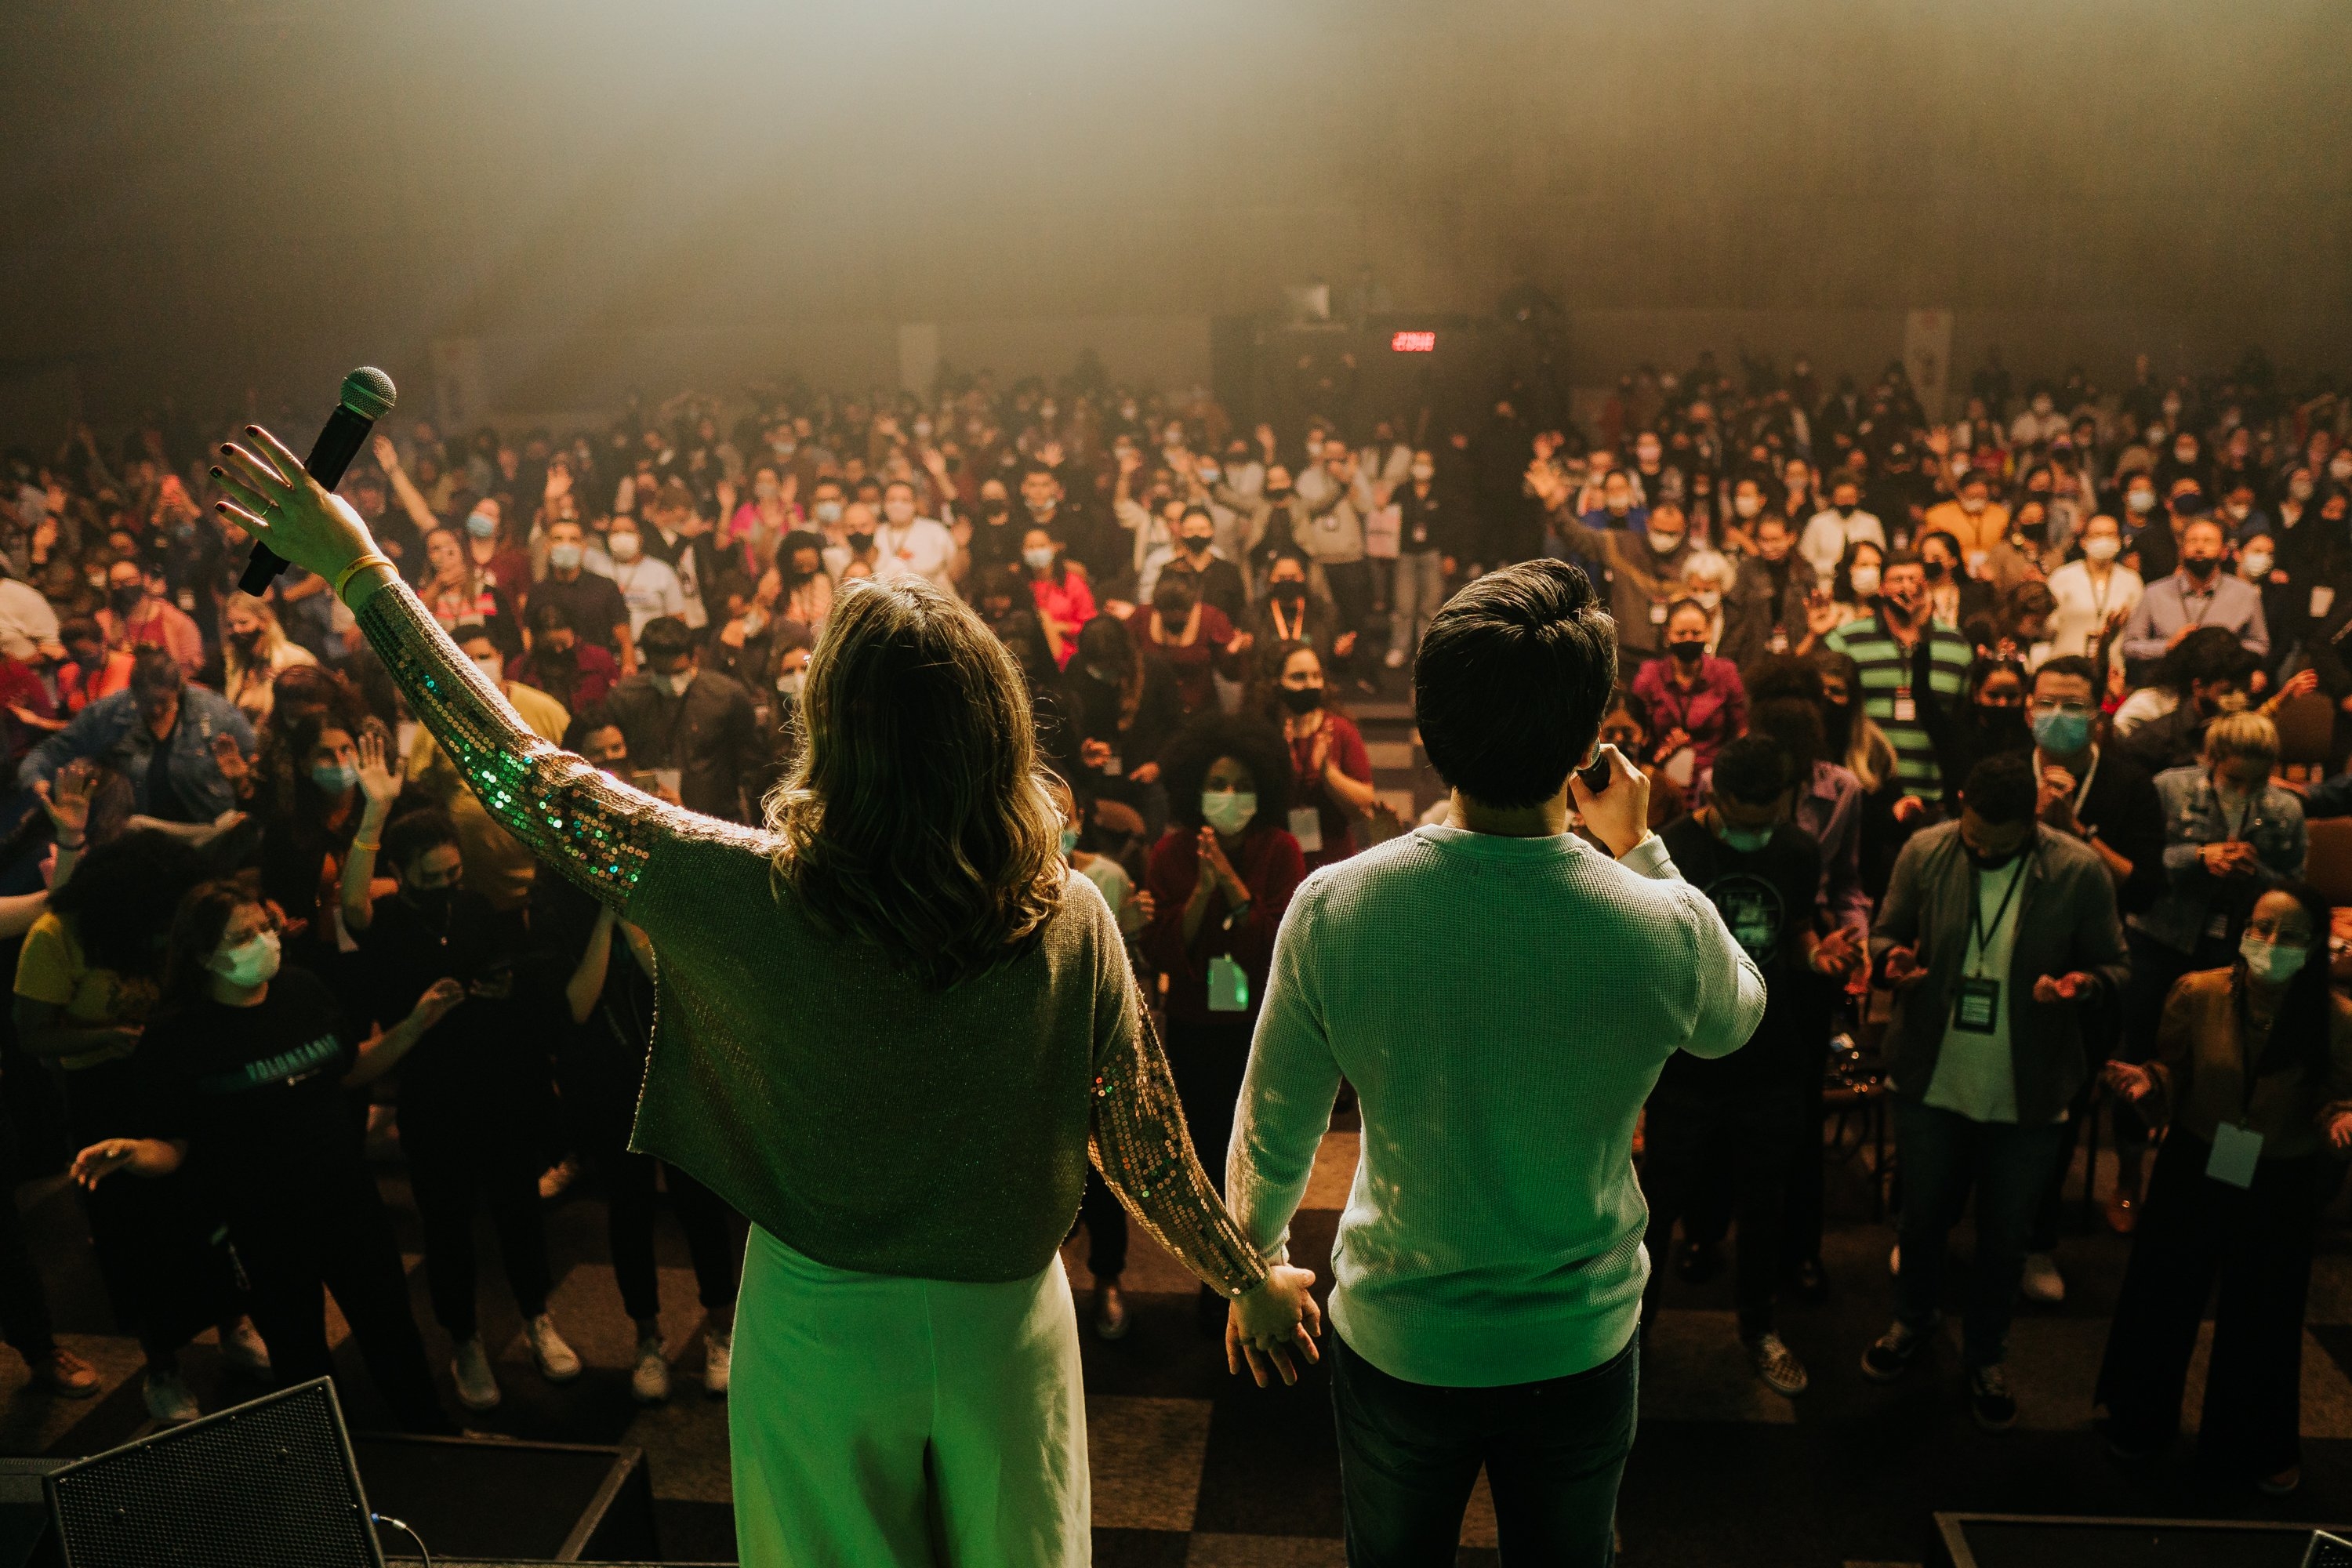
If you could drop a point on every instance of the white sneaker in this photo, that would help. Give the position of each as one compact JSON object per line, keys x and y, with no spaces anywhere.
{"x":242,"y":1348}
{"x":650,"y":1383}
{"x":558,"y":1362}
{"x":1778,"y":1365}
{"x":478,"y":1386}
{"x":1395,"y":659}
{"x":557,"y":1179}
{"x":2043,"y":1282}
{"x":718,"y":1361}
{"x":169,"y":1400}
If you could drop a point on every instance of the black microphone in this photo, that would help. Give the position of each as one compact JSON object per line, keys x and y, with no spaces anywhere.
{"x":368,"y":395}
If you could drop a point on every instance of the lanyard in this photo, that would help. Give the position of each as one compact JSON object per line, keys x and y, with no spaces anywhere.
{"x":1289,"y":633}
{"x":1976,"y":911}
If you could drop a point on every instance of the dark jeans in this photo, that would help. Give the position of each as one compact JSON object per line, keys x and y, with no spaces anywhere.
{"x":1753,"y":1134}
{"x":1553,"y":1452}
{"x":1207,"y":1060}
{"x":1351,"y":583}
{"x":347,"y":1248}
{"x":1944,"y":1155}
{"x":2257,"y":1240}
{"x":24,"y":1320}
{"x":703,"y":1215}
{"x":453,"y":1166}
{"x":1104,"y":1218}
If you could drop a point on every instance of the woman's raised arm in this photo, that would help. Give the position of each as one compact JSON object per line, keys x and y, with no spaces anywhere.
{"x":599,"y":832}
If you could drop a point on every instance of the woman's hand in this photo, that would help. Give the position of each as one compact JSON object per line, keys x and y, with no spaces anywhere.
{"x":1900,"y":968}
{"x":102,"y":1159}
{"x":1213,"y":860}
{"x":377,"y":782}
{"x":2136,"y":1083}
{"x":67,"y":802}
{"x":2339,"y":1131}
{"x":282,"y":506}
{"x":388,"y":455}
{"x":436,"y":1004}
{"x":1263,"y":1327}
{"x":228,"y":757}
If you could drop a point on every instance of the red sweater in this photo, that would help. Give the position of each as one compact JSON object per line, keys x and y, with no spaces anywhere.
{"x":1269,"y":865}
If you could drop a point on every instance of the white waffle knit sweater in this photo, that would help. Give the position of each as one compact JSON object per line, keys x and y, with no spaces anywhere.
{"x":1503,"y":1007}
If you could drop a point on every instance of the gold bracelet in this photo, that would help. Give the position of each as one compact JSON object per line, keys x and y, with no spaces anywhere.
{"x":370,"y":847}
{"x":371,"y":558}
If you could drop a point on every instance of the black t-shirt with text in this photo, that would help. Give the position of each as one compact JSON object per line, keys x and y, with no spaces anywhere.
{"x":1767,"y":898}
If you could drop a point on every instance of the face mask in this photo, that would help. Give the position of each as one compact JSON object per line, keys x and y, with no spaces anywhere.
{"x":1228,"y":811}
{"x":2275,"y":963}
{"x":1747,"y":506}
{"x":1423,"y":472}
{"x":1972,"y":504}
{"x":563,"y":557}
{"x":828,"y":512}
{"x":679,"y":682}
{"x":861,"y":539}
{"x":1707,"y":598}
{"x":2141,"y":501}
{"x":1746,"y":840}
{"x":2042,"y":406}
{"x":783,"y":447}
{"x":433,"y":903}
{"x":901,"y":511}
{"x":1932,"y":571}
{"x":494,"y":670}
{"x":1301,"y":699}
{"x":922,"y":429}
{"x":2201,"y":567}
{"x":995,"y":509}
{"x":766,"y":490}
{"x":2255,"y":563}
{"x":1287,"y":588}
{"x":1069,"y":841}
{"x":481,"y":525}
{"x":126,"y":598}
{"x":2061,"y":733}
{"x":792,"y":683}
{"x":1646,"y":453}
{"x":2102,"y":548}
{"x":1039,"y":558}
{"x":1866,"y":581}
{"x":2239,"y":510}
{"x":624,"y":546}
{"x":334,"y":777}
{"x":1846,"y":509}
{"x":1665,"y":543}
{"x":250,"y":963}
{"x":1687,"y":653}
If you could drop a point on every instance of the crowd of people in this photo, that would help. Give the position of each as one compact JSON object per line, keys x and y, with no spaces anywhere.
{"x":1968,"y":729}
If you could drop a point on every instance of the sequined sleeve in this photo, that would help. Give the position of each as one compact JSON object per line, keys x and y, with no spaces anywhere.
{"x":1140,"y":1145}
{"x":571,"y":813}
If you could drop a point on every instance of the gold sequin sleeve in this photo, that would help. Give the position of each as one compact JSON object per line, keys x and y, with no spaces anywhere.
{"x":1139,"y":1143}
{"x":570,"y":813}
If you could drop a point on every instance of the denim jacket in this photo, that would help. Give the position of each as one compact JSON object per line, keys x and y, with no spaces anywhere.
{"x":111,"y":732}
{"x":2193,"y":817}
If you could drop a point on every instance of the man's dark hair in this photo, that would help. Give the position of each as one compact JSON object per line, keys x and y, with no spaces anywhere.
{"x":1894,"y":558}
{"x":1753,"y":770}
{"x":2073,"y":664}
{"x":79,"y":628}
{"x":665,"y":636}
{"x":2001,"y":789}
{"x":547,"y":616}
{"x":153,"y":672}
{"x":412,"y":833}
{"x":1512,"y":678}
{"x":2208,"y":654}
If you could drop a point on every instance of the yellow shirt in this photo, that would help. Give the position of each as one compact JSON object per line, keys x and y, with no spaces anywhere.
{"x":1982,"y":532}
{"x":52,"y":968}
{"x":497,"y":864}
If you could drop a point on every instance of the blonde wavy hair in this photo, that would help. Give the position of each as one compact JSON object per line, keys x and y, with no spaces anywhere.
{"x":916,"y":816}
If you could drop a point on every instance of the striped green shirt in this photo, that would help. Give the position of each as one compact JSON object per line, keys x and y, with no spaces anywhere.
{"x":1884,"y":669}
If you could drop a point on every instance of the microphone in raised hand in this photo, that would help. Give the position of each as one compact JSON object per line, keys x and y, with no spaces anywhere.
{"x":367,"y":396}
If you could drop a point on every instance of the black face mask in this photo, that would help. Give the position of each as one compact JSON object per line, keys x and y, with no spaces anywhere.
{"x":433,"y":903}
{"x":1197,"y":544}
{"x":126,"y":598}
{"x":1294,"y":591}
{"x":1934,"y":569}
{"x":2200,"y":568}
{"x":1688,"y":652}
{"x":1302,"y":699}
{"x":860,"y":541}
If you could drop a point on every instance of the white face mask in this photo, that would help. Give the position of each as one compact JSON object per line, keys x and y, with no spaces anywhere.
{"x":2102,"y":547}
{"x":1866,"y":581}
{"x":1228,"y":811}
{"x":1972,"y":504}
{"x":2141,"y":501}
{"x":1665,"y":543}
{"x":2256,"y":565}
{"x":1747,"y":506}
{"x":898,"y":510}
{"x":1709,"y":598}
{"x":792,"y":682}
{"x":624,"y":546}
{"x":250,"y":963}
{"x":493,"y":668}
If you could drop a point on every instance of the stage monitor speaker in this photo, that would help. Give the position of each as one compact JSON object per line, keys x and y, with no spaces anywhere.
{"x":268,"y":1484}
{"x":2328,"y":1550}
{"x":2053,"y":1541}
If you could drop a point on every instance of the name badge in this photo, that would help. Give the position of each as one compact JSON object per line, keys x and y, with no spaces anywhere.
{"x":1657,"y":612}
{"x":1779,"y":643}
{"x":1905,"y":711}
{"x":1111,"y":766}
{"x":188,"y":600}
{"x":1420,"y":533}
{"x":2235,"y":1153}
{"x":1977,"y":1006}
{"x":2218,"y":928}
{"x":2322,"y":599}
{"x":1307,"y":826}
{"x":1228,"y":986}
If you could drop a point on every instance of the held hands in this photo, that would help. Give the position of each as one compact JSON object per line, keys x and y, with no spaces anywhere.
{"x":1264,"y":1326}
{"x":2072,"y":987}
{"x":1618,"y":815}
{"x":279,"y":504}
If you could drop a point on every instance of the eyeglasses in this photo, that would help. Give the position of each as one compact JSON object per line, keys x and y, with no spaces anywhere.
{"x":2072,"y":710}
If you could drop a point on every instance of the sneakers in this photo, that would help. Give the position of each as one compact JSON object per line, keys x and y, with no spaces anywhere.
{"x":718,"y":1361}
{"x":557,"y":1179}
{"x":558,"y":1362}
{"x":243,"y":1350}
{"x":168,"y":1399}
{"x":1989,"y":1400}
{"x":1778,"y":1365}
{"x":1891,"y":1354}
{"x":65,"y":1374}
{"x":1395,"y":659}
{"x":1110,"y":1313}
{"x":2281,"y":1484}
{"x":477,"y":1388}
{"x":649,"y":1383}
{"x":2043,"y":1282}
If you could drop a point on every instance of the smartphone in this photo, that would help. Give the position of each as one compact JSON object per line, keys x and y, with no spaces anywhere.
{"x":1596,"y":777}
